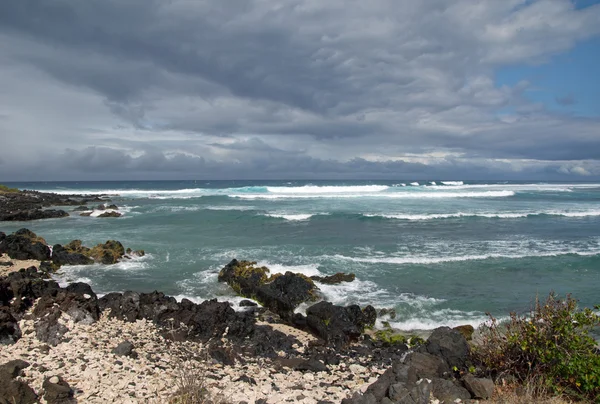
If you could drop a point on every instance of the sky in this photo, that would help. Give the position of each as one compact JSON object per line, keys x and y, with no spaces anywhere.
{"x":299,"y":89}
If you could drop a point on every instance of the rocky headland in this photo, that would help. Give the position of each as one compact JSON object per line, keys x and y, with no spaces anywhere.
{"x":66,"y":344}
{"x":16,"y":205}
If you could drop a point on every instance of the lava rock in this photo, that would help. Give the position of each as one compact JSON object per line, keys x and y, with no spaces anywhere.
{"x":449,"y":344}
{"x":57,"y":390}
{"x":125,"y":348}
{"x":479,"y":387}
{"x":337,"y":324}
{"x":334,"y":279}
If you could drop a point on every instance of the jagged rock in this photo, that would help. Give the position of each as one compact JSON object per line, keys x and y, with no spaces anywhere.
{"x":85,"y":214}
{"x":466,"y":331}
{"x":479,"y":387}
{"x":336,"y":324}
{"x":110,"y":214}
{"x":135,"y":253}
{"x":398,"y":373}
{"x":24,"y":287}
{"x":450,"y":345}
{"x":247,"y":303}
{"x":447,"y":391}
{"x":24,"y":245}
{"x":29,"y":205}
{"x":11,"y":389}
{"x":80,"y":208}
{"x":203,"y":321}
{"x":48,"y":329}
{"x":286,"y":292}
{"x":358,"y":398}
{"x":62,"y":256}
{"x":313,"y":365}
{"x":9,"y":327}
{"x":107,"y":253}
{"x":57,"y":390}
{"x":427,"y":365}
{"x":334,"y":279}
{"x":112,"y":206}
{"x":243,"y":276}
{"x":125,"y":348}
{"x":33,"y":214}
{"x":278,"y":293}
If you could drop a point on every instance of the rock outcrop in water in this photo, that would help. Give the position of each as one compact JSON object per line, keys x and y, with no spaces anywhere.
{"x":279,"y":293}
{"x":26,"y":245}
{"x":31,"y":205}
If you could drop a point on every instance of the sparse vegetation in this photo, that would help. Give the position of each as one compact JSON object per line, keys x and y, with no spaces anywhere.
{"x":4,"y":188}
{"x":192,"y":384}
{"x":549,"y":350}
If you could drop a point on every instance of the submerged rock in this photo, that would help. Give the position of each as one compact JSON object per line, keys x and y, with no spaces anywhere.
{"x":334,"y":279}
{"x":111,"y":214}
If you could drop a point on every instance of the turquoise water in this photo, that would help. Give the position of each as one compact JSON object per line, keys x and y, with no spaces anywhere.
{"x":440,"y":254}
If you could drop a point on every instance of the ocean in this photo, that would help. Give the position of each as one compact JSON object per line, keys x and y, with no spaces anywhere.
{"x":439,"y":253}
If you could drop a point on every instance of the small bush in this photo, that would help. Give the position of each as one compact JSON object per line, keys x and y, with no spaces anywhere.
{"x":4,"y":188}
{"x":551,"y":348}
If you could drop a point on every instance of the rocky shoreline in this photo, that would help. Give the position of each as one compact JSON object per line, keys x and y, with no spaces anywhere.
{"x":27,"y":205}
{"x":72,"y":346}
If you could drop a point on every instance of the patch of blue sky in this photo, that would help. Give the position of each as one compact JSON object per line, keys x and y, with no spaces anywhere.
{"x":568,"y":82}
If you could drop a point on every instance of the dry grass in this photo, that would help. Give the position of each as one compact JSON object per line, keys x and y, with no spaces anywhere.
{"x":529,"y":393}
{"x":193,"y":385}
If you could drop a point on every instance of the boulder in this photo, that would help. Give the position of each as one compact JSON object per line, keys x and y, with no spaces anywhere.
{"x":450,"y":345}
{"x":110,"y":214}
{"x":337,"y":324}
{"x":334,"y":279}
{"x":57,"y":390}
{"x":427,"y":365}
{"x":482,"y":388}
{"x":447,"y":391}
{"x":107,"y":253}
{"x":11,"y":389}
{"x":285,"y":292}
{"x":279,"y":293}
{"x":243,"y":276}
{"x":125,"y":348}
{"x":24,"y":245}
{"x":62,"y":256}
{"x":9,"y":327}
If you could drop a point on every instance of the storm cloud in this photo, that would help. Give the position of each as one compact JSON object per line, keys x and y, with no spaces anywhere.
{"x":106,"y":89}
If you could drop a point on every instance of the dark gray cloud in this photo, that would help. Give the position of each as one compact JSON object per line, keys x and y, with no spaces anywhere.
{"x":297,"y":88}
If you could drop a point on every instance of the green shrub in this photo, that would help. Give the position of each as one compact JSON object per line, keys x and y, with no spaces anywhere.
{"x":4,"y":188}
{"x":551,"y":345}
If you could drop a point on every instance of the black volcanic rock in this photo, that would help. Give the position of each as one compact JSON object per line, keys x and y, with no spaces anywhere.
{"x":29,"y":205}
{"x":9,"y":327}
{"x":62,"y":256}
{"x":338,"y":325}
{"x":283,"y":294}
{"x":334,"y":279}
{"x":11,"y":389}
{"x":279,"y":293}
{"x":24,"y":245}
